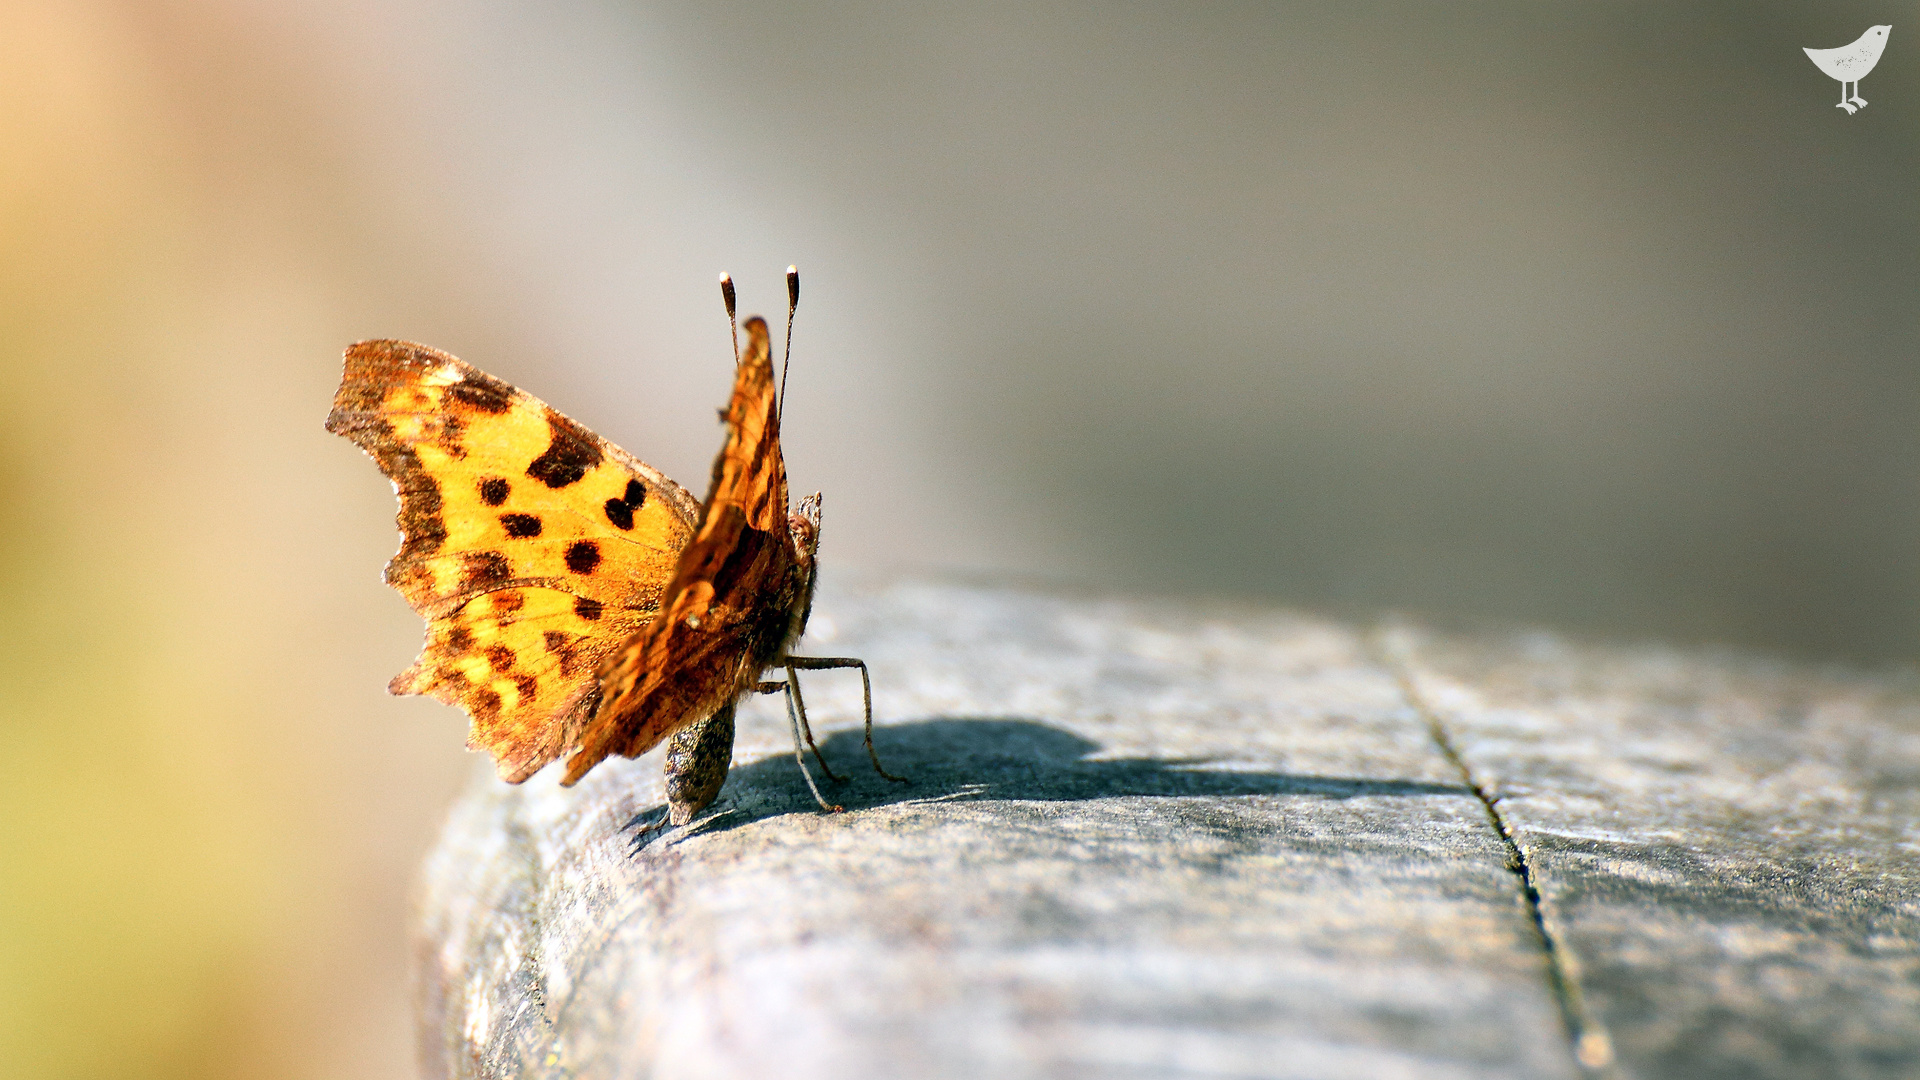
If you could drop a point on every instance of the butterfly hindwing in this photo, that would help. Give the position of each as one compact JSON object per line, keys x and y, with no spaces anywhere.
{"x":532,"y":547}
{"x":521,"y":663}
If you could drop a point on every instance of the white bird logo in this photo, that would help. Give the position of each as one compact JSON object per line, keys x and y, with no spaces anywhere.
{"x":1850,"y":64}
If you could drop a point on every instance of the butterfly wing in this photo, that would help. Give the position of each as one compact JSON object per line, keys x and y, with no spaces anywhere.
{"x":730,"y":609}
{"x":532,"y":547}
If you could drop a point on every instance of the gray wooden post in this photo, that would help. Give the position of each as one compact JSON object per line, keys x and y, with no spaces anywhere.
{"x":1172,"y":839}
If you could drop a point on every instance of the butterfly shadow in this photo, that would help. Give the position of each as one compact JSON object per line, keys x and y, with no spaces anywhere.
{"x":966,"y":758}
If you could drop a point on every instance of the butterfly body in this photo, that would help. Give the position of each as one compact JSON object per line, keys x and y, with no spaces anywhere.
{"x":578,"y":601}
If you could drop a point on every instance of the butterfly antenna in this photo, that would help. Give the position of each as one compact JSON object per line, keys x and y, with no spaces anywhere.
{"x":726,"y":293}
{"x":786,"y":360}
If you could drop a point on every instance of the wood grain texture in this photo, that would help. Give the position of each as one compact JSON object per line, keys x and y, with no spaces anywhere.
{"x":1188,"y":840}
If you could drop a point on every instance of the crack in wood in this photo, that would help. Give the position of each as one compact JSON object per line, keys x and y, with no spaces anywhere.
{"x":1592,"y":1047}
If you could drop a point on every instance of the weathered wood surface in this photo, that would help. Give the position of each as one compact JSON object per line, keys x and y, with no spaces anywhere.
{"x":1150,"y":840}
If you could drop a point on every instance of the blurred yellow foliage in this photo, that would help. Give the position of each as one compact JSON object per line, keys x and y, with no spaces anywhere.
{"x":180,"y":839}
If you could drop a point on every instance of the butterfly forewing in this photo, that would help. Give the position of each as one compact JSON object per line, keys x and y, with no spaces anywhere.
{"x":532,"y":546}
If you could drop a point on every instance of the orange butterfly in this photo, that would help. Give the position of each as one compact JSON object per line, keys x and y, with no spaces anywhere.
{"x":576,"y":599}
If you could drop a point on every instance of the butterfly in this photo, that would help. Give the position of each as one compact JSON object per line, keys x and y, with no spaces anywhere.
{"x":578,"y":601}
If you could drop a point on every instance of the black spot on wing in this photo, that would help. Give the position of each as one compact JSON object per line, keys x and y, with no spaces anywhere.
{"x":520,"y":525}
{"x":500,"y":657}
{"x":494,"y":490}
{"x":620,"y":514}
{"x":583,"y":556}
{"x":528,"y":686}
{"x":586,"y":607}
{"x":568,"y":456}
{"x":508,"y":601}
{"x":482,"y":391}
{"x":620,"y":511}
{"x":459,"y":639}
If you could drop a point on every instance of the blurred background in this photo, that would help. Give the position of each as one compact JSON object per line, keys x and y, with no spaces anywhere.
{"x":1594,"y":315}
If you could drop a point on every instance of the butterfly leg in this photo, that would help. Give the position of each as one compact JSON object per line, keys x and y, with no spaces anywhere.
{"x":698,"y":757}
{"x":800,"y":755}
{"x":797,"y":664}
{"x":806,"y":731}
